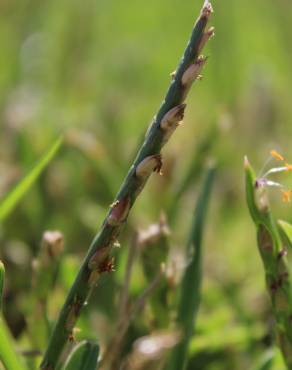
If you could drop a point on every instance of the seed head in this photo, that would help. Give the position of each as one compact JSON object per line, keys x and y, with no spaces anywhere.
{"x":207,"y":10}
{"x":53,"y":243}
{"x":152,"y":163}
{"x":172,"y":120}
{"x":98,"y":257}
{"x":173,"y":117}
{"x":107,"y":265}
{"x":205,"y":38}
{"x":73,"y":314}
{"x":193,"y":72}
{"x":119,"y":211}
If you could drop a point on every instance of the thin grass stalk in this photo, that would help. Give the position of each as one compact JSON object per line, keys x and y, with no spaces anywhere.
{"x":124,"y":297}
{"x":114,"y":347}
{"x":2,"y":275}
{"x":45,"y":267}
{"x":8,"y":356}
{"x":191,"y":283}
{"x":112,"y":356}
{"x":148,"y":159}
{"x":154,"y":251}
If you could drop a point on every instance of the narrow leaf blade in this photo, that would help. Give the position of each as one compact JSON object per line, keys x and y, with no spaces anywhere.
{"x":191,"y":283}
{"x":2,"y":275}
{"x":285,"y":231}
{"x":9,"y":202}
{"x":83,"y":357}
{"x":8,"y":355}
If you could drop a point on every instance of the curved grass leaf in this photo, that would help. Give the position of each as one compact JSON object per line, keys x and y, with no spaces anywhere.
{"x":267,"y":360}
{"x":83,"y":357}
{"x":8,"y":356}
{"x":191,"y":283}
{"x":9,"y":202}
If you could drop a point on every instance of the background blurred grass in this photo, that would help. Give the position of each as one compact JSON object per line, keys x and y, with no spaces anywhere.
{"x":97,"y":71}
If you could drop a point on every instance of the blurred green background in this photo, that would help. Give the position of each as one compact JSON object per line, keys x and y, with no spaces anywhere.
{"x":97,"y":72}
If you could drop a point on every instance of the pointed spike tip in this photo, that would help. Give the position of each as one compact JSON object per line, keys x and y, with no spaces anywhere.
{"x":246,"y":163}
{"x":207,"y":9}
{"x":193,"y":71}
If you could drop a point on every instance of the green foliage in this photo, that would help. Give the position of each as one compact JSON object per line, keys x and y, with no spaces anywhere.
{"x":285,"y":229}
{"x":10,"y":201}
{"x":8,"y":356}
{"x":266,"y":362}
{"x":272,"y":252}
{"x":84,"y":356}
{"x":190,"y":295}
{"x":2,"y":274}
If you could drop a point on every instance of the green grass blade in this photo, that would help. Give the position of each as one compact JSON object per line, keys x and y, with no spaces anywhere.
{"x":9,"y":202}
{"x":285,"y":231}
{"x":2,"y":274}
{"x":83,"y":357}
{"x":8,"y":357}
{"x":267,"y":360}
{"x":191,"y":283}
{"x":193,"y":172}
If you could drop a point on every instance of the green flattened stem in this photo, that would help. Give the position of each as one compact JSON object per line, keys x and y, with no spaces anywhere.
{"x":273,"y":256}
{"x":83,"y":357}
{"x":191,"y":282}
{"x":8,"y":357}
{"x":285,"y":230}
{"x":148,"y":160}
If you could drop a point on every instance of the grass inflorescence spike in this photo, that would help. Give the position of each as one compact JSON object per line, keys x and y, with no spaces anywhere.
{"x":134,"y":182}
